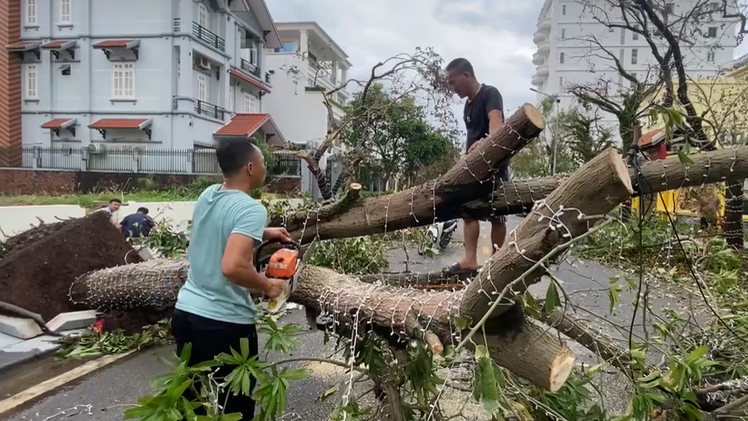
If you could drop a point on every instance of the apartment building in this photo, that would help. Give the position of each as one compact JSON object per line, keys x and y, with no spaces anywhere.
{"x":566,"y":56}
{"x":308,"y":62}
{"x":171,"y":74}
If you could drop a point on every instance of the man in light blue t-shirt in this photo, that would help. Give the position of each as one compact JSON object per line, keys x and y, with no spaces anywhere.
{"x":214,"y":309}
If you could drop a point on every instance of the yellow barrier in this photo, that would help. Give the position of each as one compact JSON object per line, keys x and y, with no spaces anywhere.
{"x":678,"y":202}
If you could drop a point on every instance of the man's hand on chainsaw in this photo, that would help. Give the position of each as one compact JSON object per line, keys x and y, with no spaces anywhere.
{"x":276,"y":234}
{"x":274,"y":287}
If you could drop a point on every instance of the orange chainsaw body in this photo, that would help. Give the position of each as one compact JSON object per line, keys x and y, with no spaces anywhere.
{"x":283,"y":264}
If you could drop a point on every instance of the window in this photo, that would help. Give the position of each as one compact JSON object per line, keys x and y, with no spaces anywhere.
{"x":635,"y":36}
{"x":202,"y":16}
{"x":250,"y":103}
{"x":561,"y":58}
{"x":714,"y":7}
{"x":621,"y":55}
{"x":287,"y":48}
{"x":230,"y":104}
{"x":611,"y":29}
{"x":252,"y":54}
{"x":634,"y":56}
{"x":563,"y":34}
{"x":712,"y":32}
{"x":65,"y":70}
{"x":670,"y":8}
{"x":631,"y":82}
{"x":563,"y":10}
{"x":710,"y":57}
{"x":30,"y":12}
{"x":202,"y":86}
{"x":31,"y":82}
{"x":66,"y":15}
{"x":123,"y":80}
{"x":561,"y":82}
{"x":623,"y":35}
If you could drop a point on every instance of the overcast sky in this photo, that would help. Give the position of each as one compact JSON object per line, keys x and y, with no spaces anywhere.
{"x":496,"y":36}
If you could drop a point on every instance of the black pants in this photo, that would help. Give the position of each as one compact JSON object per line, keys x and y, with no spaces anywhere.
{"x":210,"y":338}
{"x":707,"y":223}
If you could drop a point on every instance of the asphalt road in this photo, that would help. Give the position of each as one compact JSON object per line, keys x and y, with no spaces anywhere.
{"x":105,"y":394}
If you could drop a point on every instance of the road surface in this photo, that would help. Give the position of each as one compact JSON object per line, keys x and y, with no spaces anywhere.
{"x":105,"y":394}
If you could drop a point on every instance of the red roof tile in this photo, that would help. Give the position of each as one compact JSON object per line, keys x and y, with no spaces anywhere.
{"x":114,"y":43}
{"x":120,"y":123}
{"x":648,"y":139}
{"x":23,"y":46}
{"x":57,"y":44}
{"x":57,"y":123}
{"x":243,"y":125}
{"x":244,"y":78}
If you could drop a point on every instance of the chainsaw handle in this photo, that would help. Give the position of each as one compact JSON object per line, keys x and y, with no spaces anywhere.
{"x":258,"y":250}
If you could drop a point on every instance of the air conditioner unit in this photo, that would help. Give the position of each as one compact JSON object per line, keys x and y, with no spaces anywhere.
{"x":94,"y":149}
{"x":203,"y":63}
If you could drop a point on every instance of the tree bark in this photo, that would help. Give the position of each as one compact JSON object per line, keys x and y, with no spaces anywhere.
{"x":514,"y":197}
{"x":595,"y":189}
{"x":469,"y":179}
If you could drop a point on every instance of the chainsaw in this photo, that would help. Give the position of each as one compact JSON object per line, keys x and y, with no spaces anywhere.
{"x":284,"y":264}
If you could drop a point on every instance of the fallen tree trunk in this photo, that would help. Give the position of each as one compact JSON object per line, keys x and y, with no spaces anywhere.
{"x":518,"y":196}
{"x":467,"y":180}
{"x":595,"y":189}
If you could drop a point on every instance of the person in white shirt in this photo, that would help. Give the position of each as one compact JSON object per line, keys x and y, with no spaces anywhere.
{"x":113,"y":206}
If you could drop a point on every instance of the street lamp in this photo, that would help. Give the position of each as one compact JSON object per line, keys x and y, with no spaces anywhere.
{"x":553,"y":135}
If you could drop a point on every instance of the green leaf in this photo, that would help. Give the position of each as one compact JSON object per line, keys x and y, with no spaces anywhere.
{"x":684,"y":158}
{"x":552,"y":298}
{"x":462,"y":322}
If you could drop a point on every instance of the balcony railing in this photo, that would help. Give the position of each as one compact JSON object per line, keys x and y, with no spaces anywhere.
{"x":250,"y":68}
{"x":203,"y":34}
{"x":210,"y":110}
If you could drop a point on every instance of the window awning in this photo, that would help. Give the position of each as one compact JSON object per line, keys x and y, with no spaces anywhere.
{"x":58,"y":124}
{"x":105,"y":124}
{"x":248,"y":79}
{"x":24,"y":46}
{"x":61,"y":44}
{"x":128,"y":44}
{"x":245,"y":125}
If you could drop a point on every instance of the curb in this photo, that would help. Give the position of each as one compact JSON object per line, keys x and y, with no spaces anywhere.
{"x":31,"y":355}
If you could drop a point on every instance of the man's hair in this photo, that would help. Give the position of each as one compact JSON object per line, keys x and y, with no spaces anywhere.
{"x":115,"y":201}
{"x":143,"y":210}
{"x":234,"y":154}
{"x":461,"y":65}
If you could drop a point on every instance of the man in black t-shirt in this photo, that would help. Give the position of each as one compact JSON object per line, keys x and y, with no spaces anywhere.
{"x":138,"y":224}
{"x":483,"y":115}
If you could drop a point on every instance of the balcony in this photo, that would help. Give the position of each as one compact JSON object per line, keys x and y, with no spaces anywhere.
{"x":542,"y":70}
{"x":545,"y":25}
{"x":538,"y":37}
{"x":538,"y":59}
{"x":537,"y":80}
{"x":204,"y":35}
{"x":544,"y":48}
{"x":250,"y":68}
{"x":210,"y":110}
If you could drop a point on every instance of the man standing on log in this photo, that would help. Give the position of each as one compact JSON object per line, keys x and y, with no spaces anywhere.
{"x":214,"y":309}
{"x":483,"y":116}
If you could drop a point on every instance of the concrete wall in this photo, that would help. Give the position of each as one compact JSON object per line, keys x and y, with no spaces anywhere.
{"x":16,"y":219}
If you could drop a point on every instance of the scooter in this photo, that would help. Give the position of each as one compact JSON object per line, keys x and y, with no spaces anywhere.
{"x":439,"y":234}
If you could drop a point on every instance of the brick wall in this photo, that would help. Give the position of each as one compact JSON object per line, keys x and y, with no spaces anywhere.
{"x":10,"y":85}
{"x":43,"y":182}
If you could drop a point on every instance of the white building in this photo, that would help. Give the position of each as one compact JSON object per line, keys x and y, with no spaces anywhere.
{"x":565,"y":55}
{"x":308,"y":62}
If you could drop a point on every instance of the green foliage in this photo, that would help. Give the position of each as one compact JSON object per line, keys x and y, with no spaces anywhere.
{"x":394,"y":135}
{"x":359,"y":255}
{"x":92,"y":343}
{"x":189,"y":389}
{"x":165,"y":240}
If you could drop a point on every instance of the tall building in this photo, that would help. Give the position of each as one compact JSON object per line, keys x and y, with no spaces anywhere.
{"x":566,"y":56}
{"x":89,"y":75}
{"x":308,"y":62}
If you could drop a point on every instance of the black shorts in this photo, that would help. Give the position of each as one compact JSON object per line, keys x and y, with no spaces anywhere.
{"x":499,"y":177}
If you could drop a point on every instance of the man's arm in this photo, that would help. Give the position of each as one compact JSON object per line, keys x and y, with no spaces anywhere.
{"x":494,"y":110}
{"x":237,"y":264}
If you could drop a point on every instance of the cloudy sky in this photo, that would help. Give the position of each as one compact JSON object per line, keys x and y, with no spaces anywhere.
{"x":496,"y":36}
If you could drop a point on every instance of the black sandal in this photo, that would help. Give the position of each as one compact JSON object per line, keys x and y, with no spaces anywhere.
{"x":456,"y":270}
